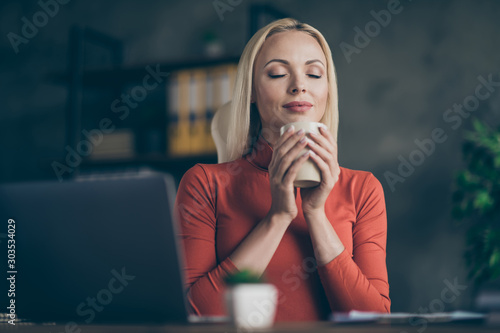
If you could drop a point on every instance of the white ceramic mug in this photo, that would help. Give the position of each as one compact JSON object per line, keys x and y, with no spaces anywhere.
{"x":309,"y":174}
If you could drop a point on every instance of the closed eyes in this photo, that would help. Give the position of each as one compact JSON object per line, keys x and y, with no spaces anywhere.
{"x":310,"y":75}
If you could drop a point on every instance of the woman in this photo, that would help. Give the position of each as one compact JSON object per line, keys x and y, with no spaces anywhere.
{"x":323,"y":247}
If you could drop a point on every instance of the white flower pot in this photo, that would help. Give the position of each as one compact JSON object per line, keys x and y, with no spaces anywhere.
{"x":252,"y":305}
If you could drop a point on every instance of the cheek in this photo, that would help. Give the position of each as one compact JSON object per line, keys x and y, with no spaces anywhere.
{"x":264,"y":99}
{"x":268,"y":100}
{"x":266,"y":92}
{"x":323,"y":92}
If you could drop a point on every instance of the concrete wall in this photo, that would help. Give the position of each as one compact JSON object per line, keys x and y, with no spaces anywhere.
{"x":396,"y":89}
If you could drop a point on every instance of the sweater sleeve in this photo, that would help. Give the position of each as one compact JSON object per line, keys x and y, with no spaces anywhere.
{"x":360,"y":282}
{"x":204,"y":275}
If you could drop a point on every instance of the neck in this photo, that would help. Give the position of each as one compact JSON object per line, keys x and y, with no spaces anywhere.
{"x":270,"y":136}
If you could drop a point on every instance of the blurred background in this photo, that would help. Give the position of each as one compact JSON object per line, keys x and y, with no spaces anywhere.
{"x":411,"y":76}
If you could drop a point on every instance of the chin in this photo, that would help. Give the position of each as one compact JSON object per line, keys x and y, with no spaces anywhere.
{"x":300,"y":117}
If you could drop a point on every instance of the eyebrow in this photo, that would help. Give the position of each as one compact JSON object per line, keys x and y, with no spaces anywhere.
{"x":308,"y":62}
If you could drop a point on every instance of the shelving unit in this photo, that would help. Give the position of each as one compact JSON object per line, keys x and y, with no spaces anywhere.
{"x":115,"y":79}
{"x":150,"y":120}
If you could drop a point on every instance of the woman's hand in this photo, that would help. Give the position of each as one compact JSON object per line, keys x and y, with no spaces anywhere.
{"x":324,"y":154}
{"x":282,"y":172}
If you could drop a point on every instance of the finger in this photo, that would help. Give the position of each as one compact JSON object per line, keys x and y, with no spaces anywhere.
{"x":328,"y":135}
{"x":283,"y":164}
{"x":322,"y":141}
{"x":280,"y":151}
{"x":334,"y":171}
{"x":329,"y":158}
{"x":289,"y":134}
{"x":319,"y":150}
{"x":286,"y":135}
{"x":326,"y":171}
{"x":294,"y":168}
{"x":290,"y":142}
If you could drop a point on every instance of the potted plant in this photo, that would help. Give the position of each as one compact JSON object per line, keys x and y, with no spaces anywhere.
{"x":251,"y":302}
{"x":477,"y":199}
{"x":212,"y":44}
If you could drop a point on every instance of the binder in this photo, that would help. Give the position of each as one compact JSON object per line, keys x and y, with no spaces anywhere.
{"x":222,"y":87}
{"x":173,"y":115}
{"x":193,"y":97}
{"x":178,"y":114}
{"x":183,"y":138}
{"x":210,"y":110}
{"x":197,"y":116}
{"x":217,"y":98}
{"x":118,"y":144}
{"x":228,"y":80}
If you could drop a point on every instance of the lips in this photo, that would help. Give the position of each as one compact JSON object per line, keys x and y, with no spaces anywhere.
{"x":298,"y":106}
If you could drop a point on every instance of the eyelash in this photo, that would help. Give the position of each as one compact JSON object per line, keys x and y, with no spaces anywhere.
{"x":278,"y":76}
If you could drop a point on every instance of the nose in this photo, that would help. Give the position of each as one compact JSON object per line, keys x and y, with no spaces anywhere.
{"x":297,"y":85}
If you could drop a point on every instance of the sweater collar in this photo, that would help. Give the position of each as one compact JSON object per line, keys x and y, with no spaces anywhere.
{"x":261,"y":153}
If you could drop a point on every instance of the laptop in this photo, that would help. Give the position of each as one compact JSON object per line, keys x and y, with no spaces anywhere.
{"x":95,"y":250}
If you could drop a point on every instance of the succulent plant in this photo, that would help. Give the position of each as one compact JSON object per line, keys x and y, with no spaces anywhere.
{"x":244,"y":276}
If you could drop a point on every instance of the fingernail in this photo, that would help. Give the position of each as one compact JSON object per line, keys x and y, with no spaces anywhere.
{"x":302,"y":140}
{"x":311,"y":142}
{"x":300,"y":132}
{"x":290,"y":129}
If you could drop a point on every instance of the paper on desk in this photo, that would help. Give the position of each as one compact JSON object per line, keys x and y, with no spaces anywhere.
{"x":402,"y":317}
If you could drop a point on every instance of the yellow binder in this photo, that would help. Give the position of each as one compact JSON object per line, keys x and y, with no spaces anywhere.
{"x":173,"y":115}
{"x":197,"y":96}
{"x":179,"y":144}
{"x":210,"y":105}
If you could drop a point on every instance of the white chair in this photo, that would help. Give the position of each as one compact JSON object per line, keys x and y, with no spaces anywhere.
{"x":219,"y":127}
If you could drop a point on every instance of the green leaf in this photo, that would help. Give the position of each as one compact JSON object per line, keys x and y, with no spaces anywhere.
{"x":483,"y":202}
{"x":495,"y":258}
{"x":244,"y":276}
{"x":495,"y":272}
{"x":477,"y":196}
{"x":478,"y":125}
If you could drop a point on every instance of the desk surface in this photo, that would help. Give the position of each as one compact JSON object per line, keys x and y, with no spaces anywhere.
{"x":306,"y":327}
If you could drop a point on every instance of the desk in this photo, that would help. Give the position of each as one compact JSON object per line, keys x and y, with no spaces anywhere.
{"x":300,"y":327}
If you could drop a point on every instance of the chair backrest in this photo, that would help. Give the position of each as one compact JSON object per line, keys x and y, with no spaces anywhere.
{"x":219,"y":127}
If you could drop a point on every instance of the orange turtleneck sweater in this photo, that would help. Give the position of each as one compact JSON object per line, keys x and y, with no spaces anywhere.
{"x":218,"y":205}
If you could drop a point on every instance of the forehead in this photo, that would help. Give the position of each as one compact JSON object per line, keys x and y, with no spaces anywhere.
{"x":294,"y":46}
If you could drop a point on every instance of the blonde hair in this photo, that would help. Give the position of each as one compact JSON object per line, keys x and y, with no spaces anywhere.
{"x":244,"y":118}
